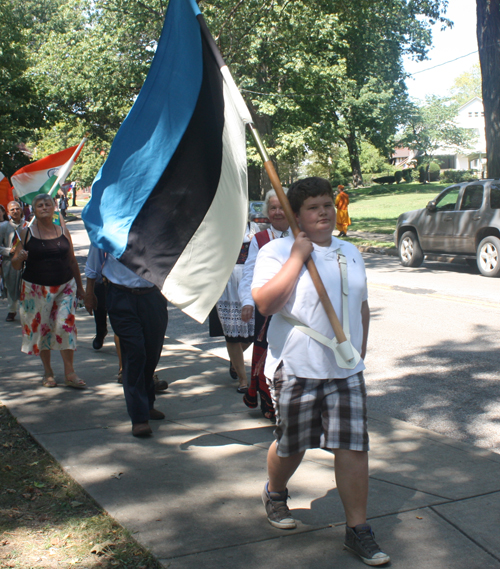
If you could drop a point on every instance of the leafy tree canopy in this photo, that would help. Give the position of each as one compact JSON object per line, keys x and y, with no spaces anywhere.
{"x":433,"y":126}
{"x":314,"y":73}
{"x":20,"y":111}
{"x":467,"y":86}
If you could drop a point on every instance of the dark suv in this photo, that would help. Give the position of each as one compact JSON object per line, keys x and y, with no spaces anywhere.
{"x":463,"y":221}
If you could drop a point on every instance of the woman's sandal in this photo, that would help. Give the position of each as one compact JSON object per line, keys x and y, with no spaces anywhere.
{"x":72,"y":380}
{"x":49,"y":381}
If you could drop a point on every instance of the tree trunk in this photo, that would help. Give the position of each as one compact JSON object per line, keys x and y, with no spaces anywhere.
{"x":264,"y":125}
{"x":488,"y":40}
{"x":352,"y":147}
{"x":254,"y":176}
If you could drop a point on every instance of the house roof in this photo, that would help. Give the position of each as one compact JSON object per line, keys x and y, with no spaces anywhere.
{"x":473,"y":100}
{"x":401,"y":153}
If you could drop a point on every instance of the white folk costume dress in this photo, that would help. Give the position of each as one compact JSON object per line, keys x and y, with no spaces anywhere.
{"x":258,"y":385}
{"x":229,"y":304}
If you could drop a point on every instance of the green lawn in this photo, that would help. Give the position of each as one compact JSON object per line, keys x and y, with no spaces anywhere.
{"x":377,"y":208}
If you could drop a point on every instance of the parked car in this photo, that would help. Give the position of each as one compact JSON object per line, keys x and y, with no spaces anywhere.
{"x":256,"y":214}
{"x":463,"y":221}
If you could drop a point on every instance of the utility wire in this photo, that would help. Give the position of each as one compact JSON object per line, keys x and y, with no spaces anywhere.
{"x":445,"y":63}
{"x":296,"y":95}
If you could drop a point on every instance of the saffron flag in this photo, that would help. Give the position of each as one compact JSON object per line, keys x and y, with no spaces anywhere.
{"x":171,"y":202}
{"x":45,"y":175}
{"x":6,"y":195}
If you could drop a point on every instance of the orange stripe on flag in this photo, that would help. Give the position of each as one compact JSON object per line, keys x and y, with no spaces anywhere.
{"x":6,"y":195}
{"x":51,"y":161}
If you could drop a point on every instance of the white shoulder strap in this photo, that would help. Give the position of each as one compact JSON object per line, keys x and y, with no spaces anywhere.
{"x":345,"y":293}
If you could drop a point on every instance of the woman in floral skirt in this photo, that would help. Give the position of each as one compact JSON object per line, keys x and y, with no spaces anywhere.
{"x":51,"y":285}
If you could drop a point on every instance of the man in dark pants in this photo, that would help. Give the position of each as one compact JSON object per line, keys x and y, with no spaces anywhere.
{"x":138,"y":313}
{"x":100,"y":315}
{"x":101,"y":329}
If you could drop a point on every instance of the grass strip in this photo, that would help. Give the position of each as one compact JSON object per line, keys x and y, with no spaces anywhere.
{"x":376,"y":209}
{"x":47,"y":520}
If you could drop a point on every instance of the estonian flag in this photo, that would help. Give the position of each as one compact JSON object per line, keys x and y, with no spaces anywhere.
{"x":171,"y":202}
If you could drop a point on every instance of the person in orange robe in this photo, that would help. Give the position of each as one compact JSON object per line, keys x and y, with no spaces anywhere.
{"x":343,"y":219}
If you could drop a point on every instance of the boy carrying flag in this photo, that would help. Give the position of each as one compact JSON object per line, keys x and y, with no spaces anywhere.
{"x":318,"y":404}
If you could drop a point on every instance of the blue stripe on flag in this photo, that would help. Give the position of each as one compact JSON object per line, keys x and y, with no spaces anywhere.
{"x":150,"y":134}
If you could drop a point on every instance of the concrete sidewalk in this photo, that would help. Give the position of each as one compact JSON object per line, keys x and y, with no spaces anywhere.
{"x":191,"y":493}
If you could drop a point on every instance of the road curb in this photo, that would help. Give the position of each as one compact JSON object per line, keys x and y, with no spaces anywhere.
{"x":391,"y":251}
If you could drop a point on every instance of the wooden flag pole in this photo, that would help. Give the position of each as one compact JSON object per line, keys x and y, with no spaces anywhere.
{"x":311,"y":267}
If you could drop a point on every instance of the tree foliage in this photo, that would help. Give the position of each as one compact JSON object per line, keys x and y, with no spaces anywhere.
{"x":467,"y":86}
{"x":314,"y":73}
{"x":321,"y":71}
{"x":334,"y":163}
{"x":433,"y":126}
{"x":20,"y":109}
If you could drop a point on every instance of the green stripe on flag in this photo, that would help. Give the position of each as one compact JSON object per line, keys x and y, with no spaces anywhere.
{"x":45,"y":189}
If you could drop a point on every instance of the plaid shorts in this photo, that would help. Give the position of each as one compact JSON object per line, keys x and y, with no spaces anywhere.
{"x":318,"y":413}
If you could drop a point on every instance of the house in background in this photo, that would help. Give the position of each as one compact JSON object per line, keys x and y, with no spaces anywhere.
{"x":470,"y":115}
{"x":403,"y":157}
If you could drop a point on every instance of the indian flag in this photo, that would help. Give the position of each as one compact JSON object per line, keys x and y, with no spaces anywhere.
{"x":5,"y":191}
{"x":45,"y":176}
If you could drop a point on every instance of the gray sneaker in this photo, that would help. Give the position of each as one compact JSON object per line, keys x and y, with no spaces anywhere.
{"x":277,"y":511}
{"x":361,"y":541}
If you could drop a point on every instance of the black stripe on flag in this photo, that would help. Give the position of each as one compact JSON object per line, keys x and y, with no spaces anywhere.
{"x":186,"y":189}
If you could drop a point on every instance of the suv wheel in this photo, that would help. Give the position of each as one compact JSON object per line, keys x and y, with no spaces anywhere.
{"x":410,"y":253}
{"x":488,"y":256}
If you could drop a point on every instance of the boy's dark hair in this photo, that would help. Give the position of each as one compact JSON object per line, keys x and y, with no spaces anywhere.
{"x":312,"y":187}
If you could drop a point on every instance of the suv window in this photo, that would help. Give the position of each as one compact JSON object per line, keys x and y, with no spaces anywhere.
{"x":448,"y":200}
{"x":473,"y":197}
{"x":495,"y":197}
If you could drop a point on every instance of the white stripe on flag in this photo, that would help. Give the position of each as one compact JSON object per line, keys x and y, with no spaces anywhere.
{"x":199,"y":276}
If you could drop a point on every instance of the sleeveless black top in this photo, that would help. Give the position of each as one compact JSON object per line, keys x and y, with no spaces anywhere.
{"x":48,"y":261}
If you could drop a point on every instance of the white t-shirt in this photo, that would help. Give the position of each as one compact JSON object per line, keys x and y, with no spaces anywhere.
{"x":301,"y":355}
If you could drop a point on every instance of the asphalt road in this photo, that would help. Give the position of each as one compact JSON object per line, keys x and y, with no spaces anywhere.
{"x":434,"y":347}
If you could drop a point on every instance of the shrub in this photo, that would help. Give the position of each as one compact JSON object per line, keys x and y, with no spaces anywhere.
{"x":408,"y":174}
{"x":398,"y":175}
{"x":456,"y":176}
{"x":434,"y":171}
{"x":384,"y":180}
{"x":338,"y":179}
